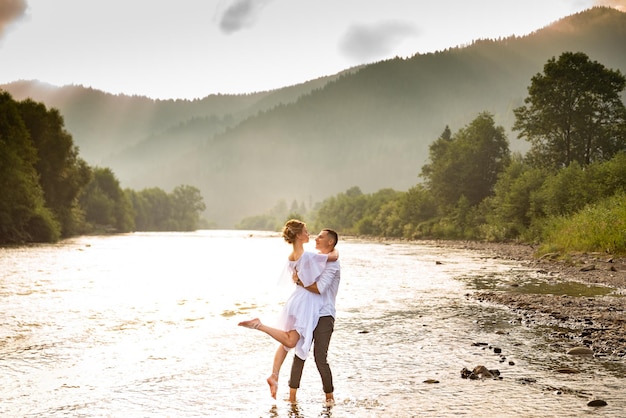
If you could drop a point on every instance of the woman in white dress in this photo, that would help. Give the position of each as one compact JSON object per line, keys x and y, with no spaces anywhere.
{"x":301,"y":311}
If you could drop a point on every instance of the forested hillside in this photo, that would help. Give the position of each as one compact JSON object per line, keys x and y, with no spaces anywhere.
{"x":370,"y":127}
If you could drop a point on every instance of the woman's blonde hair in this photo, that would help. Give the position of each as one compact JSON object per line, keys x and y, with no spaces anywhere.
{"x":292,"y":228}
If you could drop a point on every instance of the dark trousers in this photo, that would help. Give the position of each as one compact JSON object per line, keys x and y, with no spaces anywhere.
{"x":321,"y":340}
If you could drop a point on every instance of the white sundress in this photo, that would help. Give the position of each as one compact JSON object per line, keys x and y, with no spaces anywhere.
{"x":302,"y":309}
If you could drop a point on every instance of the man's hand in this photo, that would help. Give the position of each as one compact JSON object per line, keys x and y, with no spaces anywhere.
{"x":298,"y":282}
{"x":296,"y":279}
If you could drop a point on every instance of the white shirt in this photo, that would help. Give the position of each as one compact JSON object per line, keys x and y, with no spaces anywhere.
{"x":328,"y":286}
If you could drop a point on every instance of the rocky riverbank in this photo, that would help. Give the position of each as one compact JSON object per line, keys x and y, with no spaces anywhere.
{"x":596,"y":320}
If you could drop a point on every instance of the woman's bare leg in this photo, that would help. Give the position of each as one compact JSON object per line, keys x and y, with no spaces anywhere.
{"x":279,"y":358}
{"x":286,"y":338}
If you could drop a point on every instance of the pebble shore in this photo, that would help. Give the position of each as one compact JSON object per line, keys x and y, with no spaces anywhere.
{"x":597,"y":322}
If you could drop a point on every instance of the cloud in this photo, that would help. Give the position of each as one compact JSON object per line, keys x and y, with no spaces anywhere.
{"x":240,"y":14}
{"x":364,"y":43}
{"x":10,"y":11}
{"x":616,"y":4}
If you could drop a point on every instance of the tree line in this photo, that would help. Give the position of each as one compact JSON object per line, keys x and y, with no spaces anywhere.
{"x":48,"y":192}
{"x":567,"y":192}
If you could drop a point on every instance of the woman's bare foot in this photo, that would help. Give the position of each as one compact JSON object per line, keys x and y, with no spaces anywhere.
{"x":273,"y":382}
{"x":252,"y":324}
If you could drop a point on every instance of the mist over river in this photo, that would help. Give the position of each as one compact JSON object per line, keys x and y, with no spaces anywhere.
{"x":145,"y":325}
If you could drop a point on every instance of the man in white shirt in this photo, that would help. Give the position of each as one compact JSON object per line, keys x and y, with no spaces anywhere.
{"x":327,"y":285}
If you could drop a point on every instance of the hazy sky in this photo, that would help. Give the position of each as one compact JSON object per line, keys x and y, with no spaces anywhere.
{"x":193,"y":48}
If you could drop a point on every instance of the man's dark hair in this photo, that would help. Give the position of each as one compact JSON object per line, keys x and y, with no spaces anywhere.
{"x":333,"y":234}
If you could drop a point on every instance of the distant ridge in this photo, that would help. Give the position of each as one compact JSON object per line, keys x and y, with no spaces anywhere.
{"x":368,"y":127}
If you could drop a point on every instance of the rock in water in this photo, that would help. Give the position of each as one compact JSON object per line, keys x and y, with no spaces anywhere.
{"x":580,"y":351}
{"x":567,"y":370}
{"x":482,"y":371}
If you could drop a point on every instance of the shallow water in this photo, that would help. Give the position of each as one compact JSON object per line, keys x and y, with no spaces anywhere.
{"x":145,"y":325}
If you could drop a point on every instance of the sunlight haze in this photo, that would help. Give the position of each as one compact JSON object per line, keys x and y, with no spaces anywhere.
{"x":191,"y":49}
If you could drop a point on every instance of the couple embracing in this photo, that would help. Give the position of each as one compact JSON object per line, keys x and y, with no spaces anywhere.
{"x":308,"y":316}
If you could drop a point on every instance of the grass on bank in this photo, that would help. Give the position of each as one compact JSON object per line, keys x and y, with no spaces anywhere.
{"x":600,"y":227}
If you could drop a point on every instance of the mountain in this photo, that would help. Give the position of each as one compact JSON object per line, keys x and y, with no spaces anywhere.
{"x":368,"y":127}
{"x":105,"y":125}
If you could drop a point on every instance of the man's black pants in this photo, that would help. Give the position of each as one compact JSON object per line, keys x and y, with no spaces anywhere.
{"x":321,"y":340}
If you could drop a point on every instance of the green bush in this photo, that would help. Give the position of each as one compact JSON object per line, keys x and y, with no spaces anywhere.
{"x":42,"y":227}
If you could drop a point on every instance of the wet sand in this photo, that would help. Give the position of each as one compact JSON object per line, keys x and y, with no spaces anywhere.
{"x":595,"y":321}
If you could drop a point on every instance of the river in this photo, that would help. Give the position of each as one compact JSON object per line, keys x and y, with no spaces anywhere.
{"x":145,"y":325}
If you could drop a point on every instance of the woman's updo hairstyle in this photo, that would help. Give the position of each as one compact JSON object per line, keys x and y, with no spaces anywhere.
{"x":292,"y":228}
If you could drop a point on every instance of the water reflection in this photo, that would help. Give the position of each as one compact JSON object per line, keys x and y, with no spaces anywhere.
{"x":532,"y":282}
